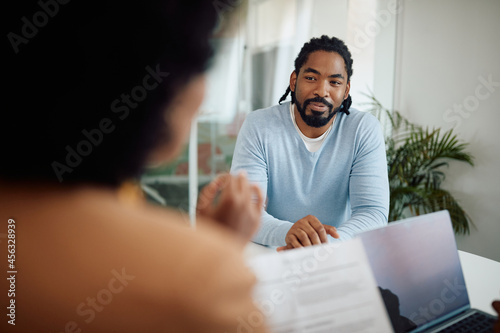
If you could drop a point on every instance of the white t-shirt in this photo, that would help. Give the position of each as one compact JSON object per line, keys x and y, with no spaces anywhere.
{"x":312,"y":144}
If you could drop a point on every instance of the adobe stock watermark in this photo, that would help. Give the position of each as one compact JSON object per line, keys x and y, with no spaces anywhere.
{"x":257,"y":319}
{"x":485,"y":88}
{"x":437,"y":306}
{"x":371,"y":29}
{"x":122,"y":107}
{"x":293,"y":279}
{"x":30,"y":27}
{"x":87,"y":310}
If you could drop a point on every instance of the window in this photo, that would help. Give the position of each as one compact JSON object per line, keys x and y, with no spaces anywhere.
{"x":252,"y":71}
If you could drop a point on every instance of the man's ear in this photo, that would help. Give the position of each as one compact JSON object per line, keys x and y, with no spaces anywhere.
{"x":293,"y":81}
{"x":347,"y":89}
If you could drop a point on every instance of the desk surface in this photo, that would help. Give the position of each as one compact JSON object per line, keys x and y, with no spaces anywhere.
{"x":482,"y":276}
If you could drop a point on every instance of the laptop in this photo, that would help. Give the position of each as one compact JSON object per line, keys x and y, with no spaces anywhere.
{"x":416,"y":265}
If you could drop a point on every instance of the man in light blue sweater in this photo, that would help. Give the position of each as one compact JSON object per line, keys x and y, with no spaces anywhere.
{"x":321,"y":165}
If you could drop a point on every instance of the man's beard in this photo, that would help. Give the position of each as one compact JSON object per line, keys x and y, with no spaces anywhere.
{"x":316,"y":119}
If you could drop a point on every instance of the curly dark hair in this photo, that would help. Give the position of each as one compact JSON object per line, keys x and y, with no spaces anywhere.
{"x":89,"y":84}
{"x":329,"y":44}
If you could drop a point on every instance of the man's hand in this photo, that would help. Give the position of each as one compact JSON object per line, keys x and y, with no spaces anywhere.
{"x":234,"y":203}
{"x":306,"y":232}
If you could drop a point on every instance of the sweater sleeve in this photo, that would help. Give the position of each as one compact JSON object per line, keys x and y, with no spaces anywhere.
{"x":250,"y":157}
{"x":368,"y":181}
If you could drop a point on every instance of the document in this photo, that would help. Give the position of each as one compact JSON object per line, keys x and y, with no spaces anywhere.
{"x":319,"y":289}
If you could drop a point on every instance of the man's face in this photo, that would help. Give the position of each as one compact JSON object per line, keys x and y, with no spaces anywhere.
{"x":320,"y":87}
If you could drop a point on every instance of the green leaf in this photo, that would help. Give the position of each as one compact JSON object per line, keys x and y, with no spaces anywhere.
{"x":417,"y":158}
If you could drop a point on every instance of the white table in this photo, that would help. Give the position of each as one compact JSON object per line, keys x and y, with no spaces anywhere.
{"x":482,"y":276}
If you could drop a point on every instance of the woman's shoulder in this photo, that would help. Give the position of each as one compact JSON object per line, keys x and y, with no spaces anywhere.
{"x":89,"y":239}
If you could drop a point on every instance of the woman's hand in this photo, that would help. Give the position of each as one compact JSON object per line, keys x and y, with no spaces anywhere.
{"x":234,"y":203}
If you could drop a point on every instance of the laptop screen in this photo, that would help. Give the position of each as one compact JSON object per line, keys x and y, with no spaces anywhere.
{"x":416,"y":265}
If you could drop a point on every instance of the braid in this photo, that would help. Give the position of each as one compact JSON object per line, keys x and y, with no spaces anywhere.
{"x":288,"y":90}
{"x":346,"y":104}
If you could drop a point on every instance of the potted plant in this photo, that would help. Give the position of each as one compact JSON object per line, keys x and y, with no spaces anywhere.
{"x":416,"y":158}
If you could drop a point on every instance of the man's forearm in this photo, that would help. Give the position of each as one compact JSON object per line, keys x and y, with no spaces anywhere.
{"x":363,"y":220}
{"x":272,"y":231}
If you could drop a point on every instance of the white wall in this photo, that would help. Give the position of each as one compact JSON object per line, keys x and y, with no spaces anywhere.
{"x":283,"y":26}
{"x":447,"y":49}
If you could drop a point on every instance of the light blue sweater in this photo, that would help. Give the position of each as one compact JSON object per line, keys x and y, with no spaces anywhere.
{"x":343,"y":184}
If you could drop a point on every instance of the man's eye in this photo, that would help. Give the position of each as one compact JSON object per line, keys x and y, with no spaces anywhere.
{"x":310,"y":78}
{"x":335,"y":83}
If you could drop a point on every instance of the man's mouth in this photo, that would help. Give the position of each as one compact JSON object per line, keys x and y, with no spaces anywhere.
{"x":318,"y":107}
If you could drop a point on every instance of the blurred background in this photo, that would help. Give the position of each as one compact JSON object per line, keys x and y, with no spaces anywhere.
{"x":435,"y":62}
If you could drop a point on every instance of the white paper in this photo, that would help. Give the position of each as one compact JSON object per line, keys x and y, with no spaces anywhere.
{"x":319,"y":289}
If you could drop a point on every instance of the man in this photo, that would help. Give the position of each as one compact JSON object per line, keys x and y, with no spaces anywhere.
{"x":322,"y":165}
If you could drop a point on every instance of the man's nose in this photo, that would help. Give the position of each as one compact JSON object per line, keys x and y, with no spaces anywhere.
{"x":322,"y":89}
